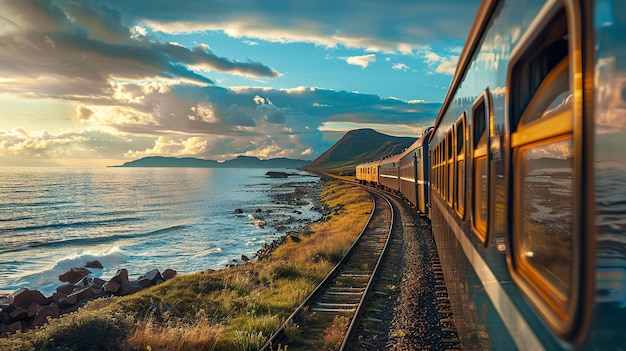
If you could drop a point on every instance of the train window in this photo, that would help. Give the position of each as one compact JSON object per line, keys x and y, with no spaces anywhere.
{"x":459,"y":187}
{"x":444,"y":167}
{"x":450,"y":165}
{"x":480,"y":195}
{"x":545,"y":179}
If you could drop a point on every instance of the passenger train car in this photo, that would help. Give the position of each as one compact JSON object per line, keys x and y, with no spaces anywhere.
{"x":406,"y":173}
{"x":527,"y":167}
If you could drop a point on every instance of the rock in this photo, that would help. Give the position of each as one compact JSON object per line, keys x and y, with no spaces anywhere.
{"x":19,"y":314}
{"x":24,"y":297}
{"x":144,"y":283}
{"x":84,"y":282}
{"x":66,"y":289}
{"x":258,"y":210}
{"x":168,"y":274}
{"x":129,"y":287}
{"x":97,"y":283}
{"x":68,"y":301}
{"x":94,"y":264}
{"x":150,"y":278}
{"x":15,"y":327}
{"x":5,"y":300}
{"x":111,"y":286}
{"x":120,"y":276}
{"x":238,"y":211}
{"x":153,"y":275}
{"x":74,"y":275}
{"x":83,"y":293}
{"x":51,"y":311}
{"x":245,"y":258}
{"x":33,"y":309}
{"x":273,"y":174}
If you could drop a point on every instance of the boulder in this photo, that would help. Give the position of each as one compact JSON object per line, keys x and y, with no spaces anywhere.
{"x":258,"y":210}
{"x":238,"y":211}
{"x":68,"y":301}
{"x":4,"y":317}
{"x":74,"y":275}
{"x":129,"y":287}
{"x":66,"y":289}
{"x":120,"y":276}
{"x":19,"y":314}
{"x":111,"y":287}
{"x":96,"y":283}
{"x":5,"y":300}
{"x":168,"y":274}
{"x":244,"y":258}
{"x":144,"y":282}
{"x":94,"y":264}
{"x":33,"y":309}
{"x":15,"y":327}
{"x":150,"y":278}
{"x":83,"y":293}
{"x":51,"y":311}
{"x":24,"y":297}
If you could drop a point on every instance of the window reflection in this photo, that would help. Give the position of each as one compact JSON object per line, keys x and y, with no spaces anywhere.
{"x":546,"y":201}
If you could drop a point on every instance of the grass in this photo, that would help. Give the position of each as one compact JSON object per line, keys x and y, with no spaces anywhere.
{"x":230,"y":309}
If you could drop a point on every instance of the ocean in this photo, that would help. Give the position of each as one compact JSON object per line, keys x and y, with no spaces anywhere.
{"x":54,"y":219}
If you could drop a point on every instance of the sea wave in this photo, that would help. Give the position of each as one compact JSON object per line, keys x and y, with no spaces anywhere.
{"x":48,"y":279}
{"x":88,"y":240}
{"x":77,"y":224}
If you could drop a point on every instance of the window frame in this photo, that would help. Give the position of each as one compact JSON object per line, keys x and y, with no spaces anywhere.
{"x":569,"y":320}
{"x":450,"y":157}
{"x":460,"y":156}
{"x":481,"y":230}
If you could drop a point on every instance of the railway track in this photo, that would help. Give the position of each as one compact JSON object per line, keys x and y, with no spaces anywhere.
{"x":331,"y":313}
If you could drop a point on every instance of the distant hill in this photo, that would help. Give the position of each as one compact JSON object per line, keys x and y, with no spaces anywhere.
{"x":358,"y":146}
{"x":239,"y":162}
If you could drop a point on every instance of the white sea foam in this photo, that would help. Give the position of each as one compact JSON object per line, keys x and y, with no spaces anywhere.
{"x":48,"y":279}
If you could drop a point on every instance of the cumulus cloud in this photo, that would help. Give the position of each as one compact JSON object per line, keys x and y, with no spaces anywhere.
{"x":441,"y":64}
{"x":363,"y":60}
{"x":72,"y":49}
{"x":88,"y":146}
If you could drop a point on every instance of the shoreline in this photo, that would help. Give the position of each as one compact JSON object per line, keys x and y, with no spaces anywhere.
{"x":303,"y":194}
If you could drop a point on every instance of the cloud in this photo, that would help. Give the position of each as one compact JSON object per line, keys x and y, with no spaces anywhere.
{"x":391,"y":26}
{"x":72,"y":50}
{"x":362,"y":61}
{"x":400,"y":67}
{"x":245,"y":120}
{"x":85,"y":147}
{"x":441,"y":64}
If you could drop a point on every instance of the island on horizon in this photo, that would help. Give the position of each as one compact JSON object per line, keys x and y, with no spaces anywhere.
{"x":192,"y":162}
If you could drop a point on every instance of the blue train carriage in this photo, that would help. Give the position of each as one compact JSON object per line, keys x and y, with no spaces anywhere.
{"x":388,"y":173}
{"x":528,"y":177}
{"x":414,"y":173}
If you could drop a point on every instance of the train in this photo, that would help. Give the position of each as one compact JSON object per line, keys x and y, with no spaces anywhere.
{"x":523,"y":177}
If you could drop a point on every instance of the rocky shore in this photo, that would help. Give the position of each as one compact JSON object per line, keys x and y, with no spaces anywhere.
{"x":26,"y":309}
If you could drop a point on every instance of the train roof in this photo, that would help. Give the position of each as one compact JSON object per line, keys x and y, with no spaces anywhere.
{"x":391,"y":159}
{"x":419,"y":142}
{"x":487,"y":7}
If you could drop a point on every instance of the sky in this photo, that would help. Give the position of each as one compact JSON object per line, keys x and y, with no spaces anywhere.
{"x":97,"y":83}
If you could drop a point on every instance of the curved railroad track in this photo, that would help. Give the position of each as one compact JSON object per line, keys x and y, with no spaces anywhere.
{"x":334,"y":308}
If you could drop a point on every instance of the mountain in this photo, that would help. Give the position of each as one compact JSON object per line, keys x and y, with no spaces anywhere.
{"x":239,"y":162}
{"x":358,"y":146}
